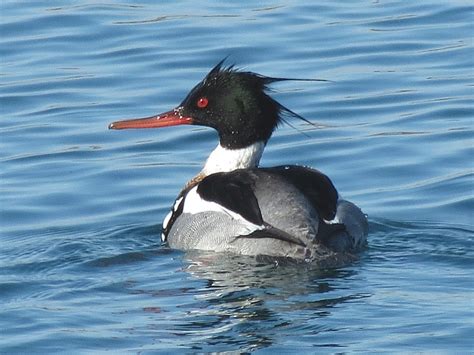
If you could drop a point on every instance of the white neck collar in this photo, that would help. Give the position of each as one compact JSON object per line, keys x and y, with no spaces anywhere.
{"x":223,"y":159}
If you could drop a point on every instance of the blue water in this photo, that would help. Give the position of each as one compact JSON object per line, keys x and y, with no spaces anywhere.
{"x":82,"y":268}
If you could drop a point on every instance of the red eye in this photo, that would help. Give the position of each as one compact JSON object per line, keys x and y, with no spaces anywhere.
{"x":202,"y":102}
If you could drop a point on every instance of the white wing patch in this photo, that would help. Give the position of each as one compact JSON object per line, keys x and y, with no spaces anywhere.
{"x":176,"y":203}
{"x":167,"y":219}
{"x":195,"y":204}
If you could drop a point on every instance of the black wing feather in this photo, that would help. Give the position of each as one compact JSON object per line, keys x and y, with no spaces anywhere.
{"x":274,"y":233}
{"x":234,"y":191}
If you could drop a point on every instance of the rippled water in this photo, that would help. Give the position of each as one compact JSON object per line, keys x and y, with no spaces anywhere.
{"x":81,"y":263}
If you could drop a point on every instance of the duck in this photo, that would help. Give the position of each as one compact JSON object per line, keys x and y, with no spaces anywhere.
{"x":233,"y":205}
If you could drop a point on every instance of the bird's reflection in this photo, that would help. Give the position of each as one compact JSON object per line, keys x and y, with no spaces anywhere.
{"x":245,"y":301}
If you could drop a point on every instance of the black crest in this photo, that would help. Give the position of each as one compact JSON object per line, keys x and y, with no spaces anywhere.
{"x":237,"y":104}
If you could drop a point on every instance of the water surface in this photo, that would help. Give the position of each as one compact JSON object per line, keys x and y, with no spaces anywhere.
{"x":82,"y":267}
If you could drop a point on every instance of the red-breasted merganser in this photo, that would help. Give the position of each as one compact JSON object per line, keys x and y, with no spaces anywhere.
{"x":232,"y":205}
